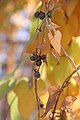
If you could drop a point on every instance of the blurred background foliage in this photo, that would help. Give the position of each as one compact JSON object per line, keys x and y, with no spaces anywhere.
{"x":17,"y":42}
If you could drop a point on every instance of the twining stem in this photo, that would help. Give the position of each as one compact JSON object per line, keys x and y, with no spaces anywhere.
{"x":37,"y":99}
{"x":70,"y":59}
{"x":55,"y":56}
{"x":64,"y":85}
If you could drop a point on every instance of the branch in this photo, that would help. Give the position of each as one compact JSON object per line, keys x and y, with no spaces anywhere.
{"x":64,"y":85}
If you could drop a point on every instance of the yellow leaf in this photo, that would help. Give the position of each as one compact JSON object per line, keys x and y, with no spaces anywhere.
{"x":75,"y":50}
{"x":59,"y":72}
{"x":60,"y":19}
{"x":73,"y":90}
{"x":26,"y":99}
{"x":69,"y":30}
{"x":13,"y":103}
{"x":44,"y":98}
{"x":71,"y":6}
{"x":77,"y":13}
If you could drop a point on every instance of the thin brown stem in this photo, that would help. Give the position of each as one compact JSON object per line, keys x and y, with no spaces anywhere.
{"x":37,"y":99}
{"x":65,"y":84}
{"x":70,"y":59}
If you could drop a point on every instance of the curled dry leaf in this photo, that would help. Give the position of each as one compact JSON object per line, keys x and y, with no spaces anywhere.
{"x":53,"y":93}
{"x":66,"y":104}
{"x":55,"y":40}
{"x":52,"y":26}
{"x":53,"y":89}
{"x":52,"y":3}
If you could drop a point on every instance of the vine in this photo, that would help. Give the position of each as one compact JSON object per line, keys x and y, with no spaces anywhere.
{"x":54,"y":40}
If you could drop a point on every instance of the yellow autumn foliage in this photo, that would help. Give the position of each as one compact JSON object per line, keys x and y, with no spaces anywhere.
{"x":68,"y":25}
{"x":26,"y":97}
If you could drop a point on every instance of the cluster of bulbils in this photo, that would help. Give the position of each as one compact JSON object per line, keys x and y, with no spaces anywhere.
{"x":38,"y":61}
{"x":41,"y":15}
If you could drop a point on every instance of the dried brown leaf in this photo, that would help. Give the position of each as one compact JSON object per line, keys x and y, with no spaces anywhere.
{"x":55,"y":40}
{"x":53,"y":89}
{"x":52,"y":3}
{"x":52,"y":26}
{"x":66,"y":104}
{"x":53,"y":93}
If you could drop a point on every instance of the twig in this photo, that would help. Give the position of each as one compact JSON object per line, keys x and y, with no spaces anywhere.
{"x":70,"y":59}
{"x":55,"y":56}
{"x":65,"y":84}
{"x":37,"y":99}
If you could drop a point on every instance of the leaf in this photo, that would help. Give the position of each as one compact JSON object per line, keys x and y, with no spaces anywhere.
{"x":71,"y":6}
{"x":75,"y":50}
{"x":70,"y":30}
{"x":66,"y":104}
{"x":6,"y":87}
{"x":76,"y":105}
{"x":53,"y":89}
{"x":26,"y":99}
{"x":77,"y":13}
{"x":73,"y":88}
{"x":44,"y":97}
{"x":60,"y":19}
{"x":13,"y":103}
{"x":55,"y":40}
{"x":55,"y":73}
{"x":53,"y":93}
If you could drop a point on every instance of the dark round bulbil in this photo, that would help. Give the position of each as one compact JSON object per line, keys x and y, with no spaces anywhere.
{"x":41,"y":15}
{"x":36,"y":14}
{"x":38,"y":58}
{"x":32,"y":58}
{"x":38,"y":63}
{"x":37,"y":74}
